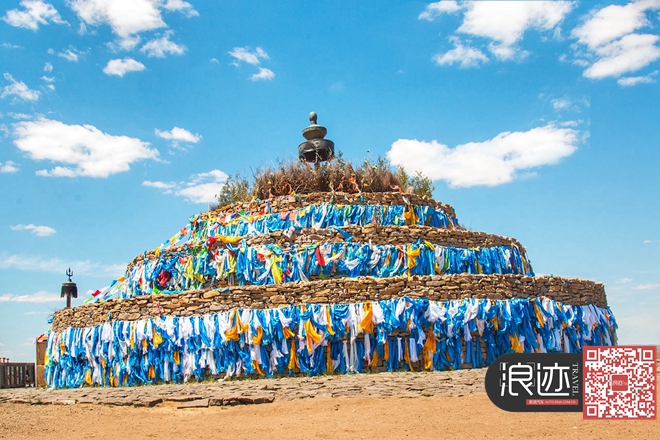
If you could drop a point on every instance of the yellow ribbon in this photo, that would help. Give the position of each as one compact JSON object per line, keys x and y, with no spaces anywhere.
{"x":539,"y":316}
{"x":256,"y":340}
{"x":312,"y":336}
{"x":256,"y":366}
{"x":276,"y":270}
{"x":293,"y":358}
{"x":288,"y":334}
{"x":329,"y":319}
{"x":429,"y":349}
{"x":374,"y":360}
{"x":406,"y":355}
{"x":367,"y":323}
{"x":412,"y":257}
{"x":515,"y":344}
{"x":328,"y":359}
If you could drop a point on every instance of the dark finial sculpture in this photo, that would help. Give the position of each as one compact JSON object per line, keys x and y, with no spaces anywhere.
{"x":316,"y":149}
{"x":69,"y":288}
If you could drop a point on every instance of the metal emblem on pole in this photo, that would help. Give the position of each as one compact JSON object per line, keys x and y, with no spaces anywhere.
{"x":69,"y":288}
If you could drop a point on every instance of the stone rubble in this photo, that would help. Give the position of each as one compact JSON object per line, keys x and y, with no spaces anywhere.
{"x":252,"y":392}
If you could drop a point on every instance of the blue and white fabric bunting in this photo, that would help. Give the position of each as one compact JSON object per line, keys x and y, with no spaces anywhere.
{"x":240,"y":264}
{"x":319,"y":216}
{"x":402,"y":334}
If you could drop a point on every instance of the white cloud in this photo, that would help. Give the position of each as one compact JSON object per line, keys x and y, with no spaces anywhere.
{"x":121,"y":67}
{"x":214,"y":61}
{"x":507,"y":21}
{"x":434,"y":10}
{"x":201,"y":188}
{"x":19,"y":116}
{"x":127,"y":18}
{"x":56,"y":265}
{"x":162,"y":46}
{"x":181,"y":6}
{"x":504,"y":23}
{"x":19,"y":90}
{"x":84,"y":148}
{"x":624,"y":280}
{"x":612,"y":22}
{"x":71,"y":54}
{"x":126,"y":43}
{"x":646,"y":287}
{"x":39,"y":297}
{"x":48,"y":79}
{"x":492,"y":162}
{"x":39,"y":231}
{"x":11,"y":46}
{"x":244,"y":54}
{"x":263,"y":75}
{"x":48,"y":67}
{"x":8,"y":167}
{"x":504,"y":52}
{"x":160,"y":185}
{"x":36,"y":313}
{"x":612,"y":47}
{"x":34,"y":13}
{"x":560,"y":103}
{"x":465,"y":56}
{"x":177,"y":135}
{"x":627,"y":54}
{"x":634,"y":80}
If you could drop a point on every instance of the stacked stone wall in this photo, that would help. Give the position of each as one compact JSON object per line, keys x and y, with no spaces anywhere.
{"x":334,"y":291}
{"x":383,"y":235}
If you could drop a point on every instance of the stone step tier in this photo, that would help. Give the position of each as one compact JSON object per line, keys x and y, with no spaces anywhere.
{"x":572,"y":291}
{"x":382,"y":235}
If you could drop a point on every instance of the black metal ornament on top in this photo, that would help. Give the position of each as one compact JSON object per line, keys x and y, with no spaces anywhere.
{"x":69,"y":288}
{"x":316,"y":149}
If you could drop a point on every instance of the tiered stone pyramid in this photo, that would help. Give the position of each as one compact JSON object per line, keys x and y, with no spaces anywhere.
{"x":323,"y":283}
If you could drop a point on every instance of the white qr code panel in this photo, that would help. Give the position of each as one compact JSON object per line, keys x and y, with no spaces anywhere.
{"x":620,"y":383}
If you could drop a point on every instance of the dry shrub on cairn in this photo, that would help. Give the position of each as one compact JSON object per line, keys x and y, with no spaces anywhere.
{"x":295,"y":177}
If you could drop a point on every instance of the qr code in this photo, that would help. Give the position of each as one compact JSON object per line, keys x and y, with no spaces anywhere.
{"x":620,"y":382}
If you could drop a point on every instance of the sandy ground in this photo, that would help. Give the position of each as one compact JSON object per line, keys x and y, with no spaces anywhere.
{"x":472,"y":416}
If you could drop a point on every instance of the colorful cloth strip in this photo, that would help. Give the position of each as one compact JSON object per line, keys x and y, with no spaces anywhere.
{"x":403,"y":334}
{"x":319,"y":216}
{"x":271,"y":264}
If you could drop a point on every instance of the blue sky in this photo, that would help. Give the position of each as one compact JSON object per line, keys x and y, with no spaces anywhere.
{"x":120,"y":119}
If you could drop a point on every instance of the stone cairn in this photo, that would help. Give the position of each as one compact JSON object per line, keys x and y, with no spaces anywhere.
{"x":322,"y":283}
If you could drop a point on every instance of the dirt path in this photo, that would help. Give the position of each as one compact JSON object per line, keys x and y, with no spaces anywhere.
{"x":472,"y":416}
{"x":385,"y":406}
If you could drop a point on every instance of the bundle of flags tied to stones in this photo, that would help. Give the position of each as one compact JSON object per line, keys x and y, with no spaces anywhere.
{"x":336,"y":283}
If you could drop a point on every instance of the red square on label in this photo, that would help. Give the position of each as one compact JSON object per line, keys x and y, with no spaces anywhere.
{"x":619,"y":382}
